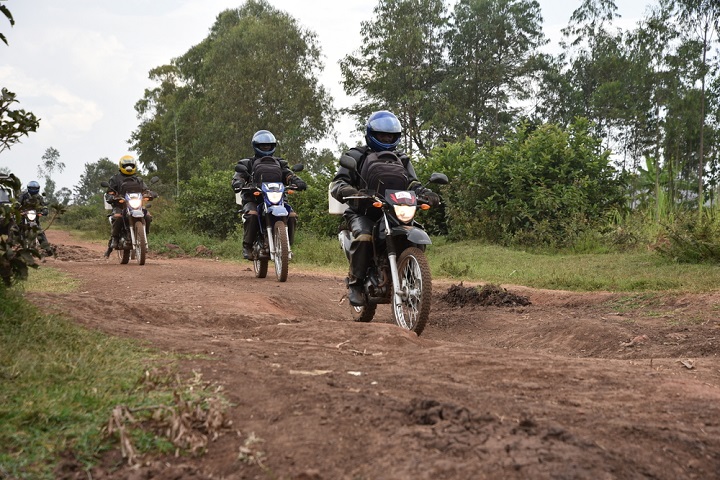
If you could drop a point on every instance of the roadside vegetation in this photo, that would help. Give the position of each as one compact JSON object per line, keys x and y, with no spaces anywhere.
{"x":71,"y":393}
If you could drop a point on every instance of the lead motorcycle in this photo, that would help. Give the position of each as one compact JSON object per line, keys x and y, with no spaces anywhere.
{"x":133,"y":234}
{"x":399,"y":273}
{"x":273,"y":213}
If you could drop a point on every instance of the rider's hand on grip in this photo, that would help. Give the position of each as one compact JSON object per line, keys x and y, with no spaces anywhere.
{"x":348,"y":191}
{"x":432,"y":198}
{"x":299,"y":183}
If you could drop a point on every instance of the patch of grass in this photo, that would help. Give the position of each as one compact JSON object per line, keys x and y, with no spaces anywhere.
{"x":622,"y":272}
{"x":48,"y":280}
{"x":59,"y":385}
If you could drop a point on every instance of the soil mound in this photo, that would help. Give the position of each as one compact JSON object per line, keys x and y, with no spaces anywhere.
{"x":487,"y":296}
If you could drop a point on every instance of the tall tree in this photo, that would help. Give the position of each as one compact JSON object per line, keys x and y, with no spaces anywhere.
{"x":703,"y":19}
{"x":255,"y":70}
{"x":493,"y":56}
{"x":400,"y":66}
{"x":89,"y":185}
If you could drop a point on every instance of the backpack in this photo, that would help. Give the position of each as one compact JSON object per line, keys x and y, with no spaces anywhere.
{"x":130,"y":185}
{"x":266,"y":169}
{"x":384,"y":171}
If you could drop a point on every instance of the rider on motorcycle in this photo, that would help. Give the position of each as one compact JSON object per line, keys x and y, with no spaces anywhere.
{"x":120,"y":183}
{"x":262,"y":167}
{"x":383,"y":133}
{"x":31,"y":199}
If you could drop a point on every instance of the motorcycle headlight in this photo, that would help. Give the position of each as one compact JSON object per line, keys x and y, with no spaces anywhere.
{"x":274,"y":197}
{"x":31,"y":215}
{"x":135,"y":202}
{"x":405,"y":213}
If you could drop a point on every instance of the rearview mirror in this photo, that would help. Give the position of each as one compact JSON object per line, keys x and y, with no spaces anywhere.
{"x":348,"y":162}
{"x":439,"y":178}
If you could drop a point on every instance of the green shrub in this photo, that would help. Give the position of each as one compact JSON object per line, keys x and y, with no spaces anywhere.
{"x":545,"y":187}
{"x":689,"y":240}
{"x":207,"y":202}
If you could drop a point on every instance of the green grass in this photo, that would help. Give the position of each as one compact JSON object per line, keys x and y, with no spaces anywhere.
{"x":59,"y":383}
{"x":622,"y":272}
{"x":640,"y":271}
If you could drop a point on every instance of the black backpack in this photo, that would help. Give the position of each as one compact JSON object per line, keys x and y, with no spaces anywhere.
{"x":131,"y":185}
{"x":266,"y":169}
{"x":384,"y":171}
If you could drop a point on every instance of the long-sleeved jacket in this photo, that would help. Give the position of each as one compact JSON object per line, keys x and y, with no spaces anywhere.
{"x":35,"y":202}
{"x":344,"y":177}
{"x":240,"y":179}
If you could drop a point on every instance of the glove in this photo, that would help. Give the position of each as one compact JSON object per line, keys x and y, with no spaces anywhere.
{"x":432,"y":198}
{"x":299,"y":183}
{"x":347,"y":191}
{"x":238,"y":184}
{"x":44,"y":212}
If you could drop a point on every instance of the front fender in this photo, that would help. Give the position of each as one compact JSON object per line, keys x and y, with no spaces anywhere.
{"x":414,"y":234}
{"x":277,"y":210}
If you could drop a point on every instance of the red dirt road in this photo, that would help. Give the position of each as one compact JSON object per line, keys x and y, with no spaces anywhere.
{"x":575,"y":385}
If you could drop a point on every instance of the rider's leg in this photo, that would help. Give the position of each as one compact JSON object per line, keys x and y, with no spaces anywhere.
{"x":360,"y":255}
{"x":250,"y":227}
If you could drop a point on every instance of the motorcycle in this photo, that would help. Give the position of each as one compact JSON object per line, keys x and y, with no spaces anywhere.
{"x":399,"y":273}
{"x":273,"y":213}
{"x":133,"y":234}
{"x":29,"y":231}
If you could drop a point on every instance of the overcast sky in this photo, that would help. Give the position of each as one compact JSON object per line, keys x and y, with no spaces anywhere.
{"x":81,"y":65}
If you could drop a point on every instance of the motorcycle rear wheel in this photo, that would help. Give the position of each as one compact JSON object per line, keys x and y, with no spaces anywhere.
{"x":282,"y":251}
{"x":413,"y":311}
{"x":140,"y":243}
{"x":260,"y":265}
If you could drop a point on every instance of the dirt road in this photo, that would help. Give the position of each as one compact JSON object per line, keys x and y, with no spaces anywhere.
{"x":583,"y":386}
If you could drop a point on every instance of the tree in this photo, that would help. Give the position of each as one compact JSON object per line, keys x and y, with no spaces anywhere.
{"x":703,"y":19}
{"x":4,"y":10}
{"x":14,"y":124}
{"x":255,"y":70}
{"x":89,"y":185}
{"x":493,"y":56}
{"x":50,"y":163}
{"x":400,"y":66}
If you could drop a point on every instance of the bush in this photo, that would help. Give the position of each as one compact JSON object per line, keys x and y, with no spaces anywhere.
{"x":312,"y":207}
{"x":692,"y":240}
{"x":546,"y":187}
{"x":207,"y":202}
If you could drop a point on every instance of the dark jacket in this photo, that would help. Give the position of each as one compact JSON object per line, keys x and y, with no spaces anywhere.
{"x":118,"y":181}
{"x":345,"y":177}
{"x":240,"y":180}
{"x":35,"y":202}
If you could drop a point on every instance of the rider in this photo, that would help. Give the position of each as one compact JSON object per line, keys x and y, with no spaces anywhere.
{"x":31,"y":199}
{"x":383,"y":133}
{"x":262,"y":167}
{"x":120,"y":183}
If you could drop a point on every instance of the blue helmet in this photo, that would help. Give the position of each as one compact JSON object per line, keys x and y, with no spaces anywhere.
{"x":264,"y":143}
{"x":383,"y":122}
{"x":33,"y":187}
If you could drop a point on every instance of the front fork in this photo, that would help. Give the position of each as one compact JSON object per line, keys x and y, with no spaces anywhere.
{"x":400,"y":294}
{"x":271,"y":238}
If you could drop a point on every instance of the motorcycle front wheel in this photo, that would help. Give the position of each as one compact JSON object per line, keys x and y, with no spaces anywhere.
{"x":282,"y":251}
{"x":364,"y":313}
{"x":412,"y":311}
{"x":260,"y":265}
{"x":140,"y":243}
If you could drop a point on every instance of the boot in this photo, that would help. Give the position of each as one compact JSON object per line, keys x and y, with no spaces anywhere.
{"x":355,"y":294}
{"x":109,"y":249}
{"x":250,"y":233}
